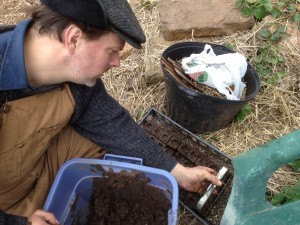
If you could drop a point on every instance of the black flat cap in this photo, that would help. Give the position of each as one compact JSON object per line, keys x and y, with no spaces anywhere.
{"x":114,"y":14}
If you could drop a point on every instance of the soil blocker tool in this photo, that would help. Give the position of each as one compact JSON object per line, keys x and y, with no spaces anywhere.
{"x":209,"y":196}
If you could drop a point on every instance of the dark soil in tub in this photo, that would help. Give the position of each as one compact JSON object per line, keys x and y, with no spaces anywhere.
{"x":126,"y":198}
{"x":191,"y":151}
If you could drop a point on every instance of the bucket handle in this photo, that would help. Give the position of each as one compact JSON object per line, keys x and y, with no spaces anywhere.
{"x":126,"y":159}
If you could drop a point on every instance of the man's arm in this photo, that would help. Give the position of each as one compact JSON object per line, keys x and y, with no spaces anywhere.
{"x":101,"y":119}
{"x":7,"y":219}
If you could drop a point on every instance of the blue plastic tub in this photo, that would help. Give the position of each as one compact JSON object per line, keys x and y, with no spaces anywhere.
{"x":75,"y":179}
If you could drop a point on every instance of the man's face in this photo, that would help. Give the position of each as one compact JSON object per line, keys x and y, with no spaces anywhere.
{"x":94,"y":57}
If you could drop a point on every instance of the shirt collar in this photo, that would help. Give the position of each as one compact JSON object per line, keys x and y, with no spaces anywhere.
{"x":13,"y":72}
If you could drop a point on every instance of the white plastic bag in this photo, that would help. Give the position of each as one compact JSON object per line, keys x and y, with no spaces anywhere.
{"x":221,"y":71}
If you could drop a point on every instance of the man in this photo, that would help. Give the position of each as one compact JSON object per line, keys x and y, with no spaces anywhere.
{"x":54,"y":107}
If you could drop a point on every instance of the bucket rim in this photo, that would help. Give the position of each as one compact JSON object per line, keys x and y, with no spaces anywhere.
{"x":196,"y":43}
{"x":196,"y":94}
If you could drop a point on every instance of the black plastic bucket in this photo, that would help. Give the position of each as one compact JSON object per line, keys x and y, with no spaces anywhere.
{"x":197,"y":112}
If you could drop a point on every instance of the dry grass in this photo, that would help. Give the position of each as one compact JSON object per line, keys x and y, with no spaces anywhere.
{"x":138,"y":85}
{"x":275,"y":110}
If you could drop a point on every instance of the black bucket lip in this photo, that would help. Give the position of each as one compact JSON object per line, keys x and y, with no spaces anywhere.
{"x":181,"y":45}
{"x":195,"y":44}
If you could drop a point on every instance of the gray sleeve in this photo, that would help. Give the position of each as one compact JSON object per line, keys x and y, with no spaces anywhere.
{"x":7,"y":219}
{"x":104,"y":121}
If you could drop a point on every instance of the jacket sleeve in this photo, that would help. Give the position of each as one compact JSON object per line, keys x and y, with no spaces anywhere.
{"x":101,"y":119}
{"x":7,"y":219}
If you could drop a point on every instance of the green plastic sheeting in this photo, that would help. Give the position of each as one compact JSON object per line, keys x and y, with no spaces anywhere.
{"x":247,"y":204}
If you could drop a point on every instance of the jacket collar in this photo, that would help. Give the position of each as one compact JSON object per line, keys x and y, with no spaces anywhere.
{"x":12,"y":65}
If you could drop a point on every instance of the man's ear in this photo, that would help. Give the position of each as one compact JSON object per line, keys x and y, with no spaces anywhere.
{"x":72,"y":36}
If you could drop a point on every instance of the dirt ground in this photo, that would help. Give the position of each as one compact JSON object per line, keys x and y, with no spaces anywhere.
{"x":138,"y":85}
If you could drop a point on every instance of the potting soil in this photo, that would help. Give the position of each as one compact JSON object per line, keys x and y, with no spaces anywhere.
{"x":126,"y":198}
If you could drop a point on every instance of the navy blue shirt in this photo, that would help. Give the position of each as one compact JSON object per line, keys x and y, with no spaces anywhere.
{"x":97,"y":116}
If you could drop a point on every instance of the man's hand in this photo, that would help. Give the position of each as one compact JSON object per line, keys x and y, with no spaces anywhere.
{"x":41,"y":217}
{"x":193,"y":179}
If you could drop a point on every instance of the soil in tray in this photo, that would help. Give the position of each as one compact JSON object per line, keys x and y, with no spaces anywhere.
{"x":126,"y":198}
{"x":189,"y":151}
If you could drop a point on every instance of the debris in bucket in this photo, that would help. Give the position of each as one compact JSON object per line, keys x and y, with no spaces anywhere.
{"x":210,"y":74}
{"x":217,"y":71}
{"x":126,"y":198}
{"x":176,"y":71}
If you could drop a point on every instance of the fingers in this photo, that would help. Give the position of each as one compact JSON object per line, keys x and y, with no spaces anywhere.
{"x":210,"y":170}
{"x":43,"y":217}
{"x":205,"y":176}
{"x":195,"y":179}
{"x":49,"y":217}
{"x":210,"y":175}
{"x":212,"y":178}
{"x":201,"y":188}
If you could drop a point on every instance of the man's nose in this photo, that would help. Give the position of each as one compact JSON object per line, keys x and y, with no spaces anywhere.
{"x":115,"y":62}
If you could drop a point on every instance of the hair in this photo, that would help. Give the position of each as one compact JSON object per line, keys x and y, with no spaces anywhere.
{"x":49,"y":22}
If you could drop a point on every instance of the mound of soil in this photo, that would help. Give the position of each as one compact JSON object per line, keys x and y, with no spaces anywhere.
{"x":191,"y":151}
{"x":126,"y":198}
